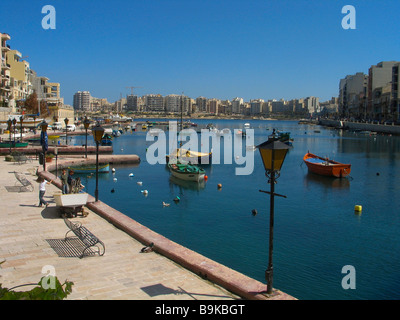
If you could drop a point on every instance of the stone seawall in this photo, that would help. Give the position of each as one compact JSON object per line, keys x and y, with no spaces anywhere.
{"x":381,"y":128}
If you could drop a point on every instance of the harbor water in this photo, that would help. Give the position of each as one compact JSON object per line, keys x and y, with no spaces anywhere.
{"x":317,"y":232}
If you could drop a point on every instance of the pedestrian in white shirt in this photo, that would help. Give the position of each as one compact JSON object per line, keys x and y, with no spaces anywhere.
{"x":42,"y":190}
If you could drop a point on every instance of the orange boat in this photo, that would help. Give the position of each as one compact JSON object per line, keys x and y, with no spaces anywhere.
{"x":326,"y":167}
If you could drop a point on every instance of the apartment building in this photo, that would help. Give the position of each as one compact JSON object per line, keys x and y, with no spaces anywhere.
{"x":395,"y":101}
{"x":154,"y":102}
{"x":353,"y":95}
{"x":237,"y":105}
{"x":5,"y":90}
{"x":82,"y":101}
{"x":380,"y":76}
{"x":20,"y":83}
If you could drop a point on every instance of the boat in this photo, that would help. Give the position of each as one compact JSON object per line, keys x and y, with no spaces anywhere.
{"x":187,"y":172}
{"x":103,"y":168}
{"x":106,"y":140}
{"x":12,"y":144}
{"x":185,"y":155}
{"x":285,"y":138}
{"x":53,"y":137}
{"x":247,"y":125}
{"x":70,"y":199}
{"x":325,"y":166}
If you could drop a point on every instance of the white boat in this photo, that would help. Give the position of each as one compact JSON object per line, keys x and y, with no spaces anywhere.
{"x":70,"y":199}
{"x":247,"y":125}
{"x":187,"y":172}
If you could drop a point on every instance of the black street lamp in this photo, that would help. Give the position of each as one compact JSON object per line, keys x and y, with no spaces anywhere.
{"x":98,"y":133}
{"x":86,"y":123}
{"x":273,"y":153}
{"x":14,"y":123}
{"x":66,"y":120}
{"x":44,"y":141}
{"x":21,"y":120}
{"x":9,"y":123}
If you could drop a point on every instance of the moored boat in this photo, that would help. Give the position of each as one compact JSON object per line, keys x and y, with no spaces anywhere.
{"x":325,"y":166}
{"x":103,"y":168}
{"x":12,"y":144}
{"x":187,"y":172}
{"x":190,"y":156}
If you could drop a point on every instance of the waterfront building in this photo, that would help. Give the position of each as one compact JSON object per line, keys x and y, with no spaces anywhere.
{"x":237,"y":105}
{"x":312,"y":105}
{"x":20,"y":84}
{"x":380,"y":76}
{"x":131,"y":102}
{"x":395,"y":99}
{"x":173,"y":103}
{"x":202,"y":104}
{"x":154,"y":102}
{"x":352,"y":95}
{"x":5,"y":90}
{"x":256,"y":106}
{"x":82,"y":101}
{"x":214,"y":105}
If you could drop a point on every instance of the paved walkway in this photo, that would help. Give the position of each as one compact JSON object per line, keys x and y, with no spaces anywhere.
{"x":27,"y":234}
{"x":31,"y":238}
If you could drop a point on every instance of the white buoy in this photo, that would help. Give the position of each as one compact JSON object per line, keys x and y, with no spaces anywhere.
{"x":113,"y":169}
{"x":165,"y":204}
{"x":131,"y":174}
{"x":144,"y":192}
{"x":139,"y":183}
{"x":115,"y":179}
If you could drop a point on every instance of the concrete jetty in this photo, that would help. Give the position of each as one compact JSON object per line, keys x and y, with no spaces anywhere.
{"x":31,"y":238}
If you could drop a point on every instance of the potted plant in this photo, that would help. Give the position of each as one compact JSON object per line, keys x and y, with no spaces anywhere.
{"x":49,"y":157}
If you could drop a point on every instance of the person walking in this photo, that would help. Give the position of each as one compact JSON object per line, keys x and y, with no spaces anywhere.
{"x":42,"y":190}
{"x":64,"y":181}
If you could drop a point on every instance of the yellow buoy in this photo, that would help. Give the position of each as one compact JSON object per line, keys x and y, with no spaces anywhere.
{"x":358,"y":208}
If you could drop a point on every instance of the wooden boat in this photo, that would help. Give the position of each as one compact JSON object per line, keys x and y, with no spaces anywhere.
{"x":103,"y":168}
{"x":187,"y":172}
{"x":107,"y":139}
{"x":12,"y":144}
{"x":185,"y":155}
{"x":70,"y":199}
{"x":285,"y":138}
{"x":325,"y":166}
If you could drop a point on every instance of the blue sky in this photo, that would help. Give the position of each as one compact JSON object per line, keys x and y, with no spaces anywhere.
{"x":268,"y":49}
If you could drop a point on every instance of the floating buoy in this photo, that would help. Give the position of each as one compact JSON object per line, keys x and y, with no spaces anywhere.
{"x":112,"y":190}
{"x":115,"y":179}
{"x":177,"y":199}
{"x":144,"y":192}
{"x":131,"y":174}
{"x":254,"y":212}
{"x":139,"y":183}
{"x":219,"y":185}
{"x":165,"y":204}
{"x":113,"y":169}
{"x":206,"y":177}
{"x":358,"y":208}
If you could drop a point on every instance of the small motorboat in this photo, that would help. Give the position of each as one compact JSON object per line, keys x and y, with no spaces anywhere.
{"x":191,"y":156}
{"x":103,"y":168}
{"x":188,"y":172}
{"x":325,"y":166}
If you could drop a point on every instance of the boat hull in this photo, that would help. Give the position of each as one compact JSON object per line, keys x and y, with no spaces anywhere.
{"x":12,"y":145}
{"x":71,"y":199}
{"x":326,"y":167}
{"x":186,"y":175}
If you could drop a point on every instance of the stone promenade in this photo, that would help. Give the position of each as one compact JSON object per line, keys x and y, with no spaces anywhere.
{"x":32,"y":238}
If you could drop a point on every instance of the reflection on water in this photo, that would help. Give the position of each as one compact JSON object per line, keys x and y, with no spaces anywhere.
{"x":325,"y":181}
{"x":192,"y":185}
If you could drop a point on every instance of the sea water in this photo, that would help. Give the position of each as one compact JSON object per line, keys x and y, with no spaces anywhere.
{"x":316,"y":230}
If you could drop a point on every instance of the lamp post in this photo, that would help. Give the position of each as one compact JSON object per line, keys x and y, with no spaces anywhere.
{"x":21,"y":120}
{"x":9,"y":123}
{"x":44,"y":141}
{"x":98,"y":133}
{"x":56,"y":154}
{"x":66,"y":120}
{"x":14,"y":123}
{"x":273,"y":153}
{"x":86,"y":123}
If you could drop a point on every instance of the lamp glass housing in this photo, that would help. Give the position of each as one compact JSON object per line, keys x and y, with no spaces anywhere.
{"x":98,"y":133}
{"x":86,"y":123}
{"x":66,"y":120}
{"x":273,"y":153}
{"x":44,"y":125}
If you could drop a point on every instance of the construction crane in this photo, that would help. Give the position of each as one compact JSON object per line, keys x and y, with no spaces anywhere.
{"x":132,"y":89}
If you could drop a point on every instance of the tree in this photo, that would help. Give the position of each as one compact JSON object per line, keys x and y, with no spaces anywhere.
{"x":32,"y":105}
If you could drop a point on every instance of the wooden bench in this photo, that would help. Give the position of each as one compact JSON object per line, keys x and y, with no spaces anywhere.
{"x":19,"y":157}
{"x":26,"y":185}
{"x":87,"y":238}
